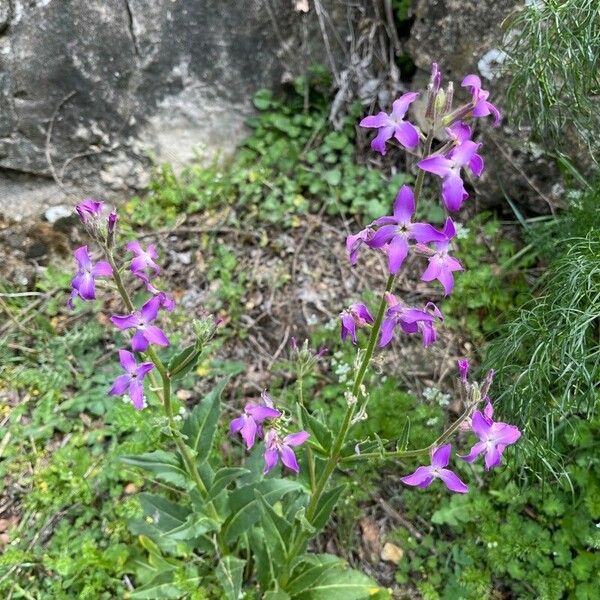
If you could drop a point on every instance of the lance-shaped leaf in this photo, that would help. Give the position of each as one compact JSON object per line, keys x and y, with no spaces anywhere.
{"x":183,"y":362}
{"x":222,"y":478}
{"x":318,"y":429}
{"x":326,"y":505}
{"x":278,"y":530}
{"x":245,"y":509}
{"x":310,"y":571}
{"x":230,"y":572}
{"x":402,"y":443}
{"x":165,"y":466}
{"x":162,"y":586}
{"x":200,"y":426}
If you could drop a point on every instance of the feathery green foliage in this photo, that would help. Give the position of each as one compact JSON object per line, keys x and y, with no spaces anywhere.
{"x":554,"y":58}
{"x":549,"y":356}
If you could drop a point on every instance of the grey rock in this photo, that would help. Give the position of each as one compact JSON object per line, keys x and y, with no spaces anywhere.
{"x":91,"y":90}
{"x":54,"y":213}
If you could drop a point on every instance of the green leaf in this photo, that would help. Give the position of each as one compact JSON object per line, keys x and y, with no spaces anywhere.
{"x":223,"y":477}
{"x":319,"y":430}
{"x":278,"y":530}
{"x":338,"y":584}
{"x":326,"y":505}
{"x":201,"y":424}
{"x":230,"y":572}
{"x":161,"y":587}
{"x":276,"y":596}
{"x":310,"y":572}
{"x":183,"y":362}
{"x":167,"y":467}
{"x":245,"y":509}
{"x":333,"y":177}
{"x":263,"y":99}
{"x":402,"y":443}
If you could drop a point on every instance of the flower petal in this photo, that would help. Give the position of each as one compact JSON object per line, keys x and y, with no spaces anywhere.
{"x":288,"y":458}
{"x":296,"y":439}
{"x":150,"y":310}
{"x":378,"y":143}
{"x":139,"y":343}
{"x":436,"y":164}
{"x":127,"y":360}
{"x":423,"y":233}
{"x":480,"y":425}
{"x":476,"y":164}
{"x":237,"y":424}
{"x":452,"y":481}
{"x":441,"y":456}
{"x":248,"y":432}
{"x":271,"y":456}
{"x":461,"y":155}
{"x":493,"y":457}
{"x":407,"y":134}
{"x":422,"y":477}
{"x":453,"y":192}
{"x":404,"y":204}
{"x":260,"y":413}
{"x":120,"y":385}
{"x":400,"y":106}
{"x":505,"y":434}
{"x":381,"y":119}
{"x":144,"y":369}
{"x":382,"y":236}
{"x":83,"y":258}
{"x":124,"y":321}
{"x":397,"y":250}
{"x":387,"y":332}
{"x":87,"y":286}
{"x":155,"y":335}
{"x":476,"y":450}
{"x":136,"y":393}
{"x":102,"y":269}
{"x":473,"y":82}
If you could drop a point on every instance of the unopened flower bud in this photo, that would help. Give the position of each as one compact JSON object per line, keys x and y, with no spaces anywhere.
{"x":463,"y":369}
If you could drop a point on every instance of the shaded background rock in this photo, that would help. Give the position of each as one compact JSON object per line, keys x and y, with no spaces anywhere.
{"x":90,"y":89}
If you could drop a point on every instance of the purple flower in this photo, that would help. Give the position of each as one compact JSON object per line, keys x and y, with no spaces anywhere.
{"x":354,"y":242}
{"x":441,"y":264}
{"x":356,"y":316}
{"x":493,"y":437}
{"x":112,"y":222}
{"x":143,"y":259}
{"x":249,"y":425}
{"x":481,"y":106}
{"x":393,"y":125}
{"x":424,"y":476}
{"x":463,"y":369}
{"x":436,"y":78}
{"x":396,"y":230}
{"x":84,"y":282}
{"x":89,"y":209}
{"x":133,"y":380}
{"x":145,"y":334}
{"x":449,"y":167}
{"x":282,"y":448}
{"x":166,"y":301}
{"x":411,"y":320}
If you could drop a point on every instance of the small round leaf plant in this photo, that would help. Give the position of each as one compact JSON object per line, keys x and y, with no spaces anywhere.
{"x":230,"y":516}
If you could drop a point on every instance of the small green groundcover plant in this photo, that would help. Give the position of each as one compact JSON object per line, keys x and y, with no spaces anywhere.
{"x":235,"y":529}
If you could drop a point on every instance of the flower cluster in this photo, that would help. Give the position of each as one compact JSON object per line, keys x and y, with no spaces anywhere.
{"x":100,"y":223}
{"x":494,"y":437}
{"x":397,"y":235}
{"x":278,"y":445}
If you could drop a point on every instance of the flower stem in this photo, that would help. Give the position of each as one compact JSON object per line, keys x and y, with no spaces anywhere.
{"x":166,"y":388}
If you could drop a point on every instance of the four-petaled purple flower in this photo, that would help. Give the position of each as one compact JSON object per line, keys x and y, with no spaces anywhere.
{"x":424,"y":476}
{"x":355,"y":241}
{"x":89,"y":208}
{"x":249,"y":425}
{"x":145,"y":334}
{"x":481,"y":106}
{"x":143,"y":259}
{"x":395,"y":231}
{"x":277,"y":448}
{"x":449,"y":167}
{"x":441,"y":264}
{"x":84,"y":282}
{"x":356,"y":316}
{"x":410,"y":320}
{"x":132,"y":381}
{"x":393,"y":125}
{"x":493,"y":437}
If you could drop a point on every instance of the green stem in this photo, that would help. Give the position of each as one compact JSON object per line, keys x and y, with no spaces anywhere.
{"x":186,"y":455}
{"x":309,"y":455}
{"x":410,"y":453}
